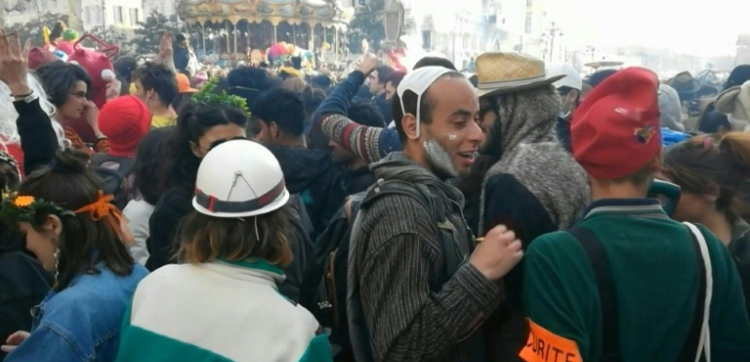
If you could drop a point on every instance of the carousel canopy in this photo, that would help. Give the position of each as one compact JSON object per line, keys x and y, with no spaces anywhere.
{"x":324,"y":12}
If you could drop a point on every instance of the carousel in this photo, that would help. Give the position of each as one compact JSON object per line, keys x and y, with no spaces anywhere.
{"x":256,"y":30}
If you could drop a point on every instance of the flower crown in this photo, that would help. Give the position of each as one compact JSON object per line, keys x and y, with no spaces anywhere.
{"x":15,"y":208}
{"x":207,"y":96}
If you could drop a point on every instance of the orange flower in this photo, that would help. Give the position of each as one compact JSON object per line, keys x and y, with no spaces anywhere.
{"x":23,"y":201}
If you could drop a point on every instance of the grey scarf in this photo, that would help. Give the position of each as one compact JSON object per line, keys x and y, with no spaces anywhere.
{"x":532,"y":154}
{"x":397,"y":166}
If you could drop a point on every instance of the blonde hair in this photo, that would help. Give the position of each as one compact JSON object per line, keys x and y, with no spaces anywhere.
{"x":205,"y":238}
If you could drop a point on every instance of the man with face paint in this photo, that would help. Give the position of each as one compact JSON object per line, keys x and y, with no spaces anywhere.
{"x":531,"y":183}
{"x":396,"y":255}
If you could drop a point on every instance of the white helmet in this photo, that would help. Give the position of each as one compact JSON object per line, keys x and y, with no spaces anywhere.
{"x":239,"y":178}
{"x":572,"y":77}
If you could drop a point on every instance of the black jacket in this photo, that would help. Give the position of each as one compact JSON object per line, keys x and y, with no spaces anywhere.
{"x":358,"y":180}
{"x":312,"y":175}
{"x":23,"y":285}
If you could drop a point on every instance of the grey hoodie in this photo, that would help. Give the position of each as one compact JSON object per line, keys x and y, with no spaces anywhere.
{"x":534,"y":156}
{"x":670,"y":108}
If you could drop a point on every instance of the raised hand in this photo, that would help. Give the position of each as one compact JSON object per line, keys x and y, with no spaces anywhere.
{"x":13,"y":63}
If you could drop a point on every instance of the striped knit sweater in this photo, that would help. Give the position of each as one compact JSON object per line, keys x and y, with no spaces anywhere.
{"x":398,"y":258}
{"x":367,"y":143}
{"x":221,"y":311}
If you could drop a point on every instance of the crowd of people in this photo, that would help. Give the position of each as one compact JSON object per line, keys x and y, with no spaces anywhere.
{"x":519,"y":214}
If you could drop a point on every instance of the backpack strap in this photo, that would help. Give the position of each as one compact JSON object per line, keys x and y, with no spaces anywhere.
{"x":607,"y":295}
{"x":358,"y":331}
{"x":446,"y":229}
{"x":608,"y":298}
{"x":688,"y":352}
{"x":447,"y":242}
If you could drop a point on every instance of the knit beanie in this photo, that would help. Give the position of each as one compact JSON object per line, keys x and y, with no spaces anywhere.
{"x":125,"y":121}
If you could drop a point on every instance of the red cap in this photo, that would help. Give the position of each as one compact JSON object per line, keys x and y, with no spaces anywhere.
{"x":125,"y":121}
{"x":615,"y":131}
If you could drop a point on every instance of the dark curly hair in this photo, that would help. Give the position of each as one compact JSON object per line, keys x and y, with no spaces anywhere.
{"x":59,"y":79}
{"x":193,"y":122}
{"x":283,"y":107}
{"x":159,"y":78}
{"x":149,"y":161}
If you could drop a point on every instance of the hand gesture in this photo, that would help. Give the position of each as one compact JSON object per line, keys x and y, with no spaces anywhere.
{"x":113,"y":90}
{"x":369,"y":63}
{"x":92,"y":114}
{"x":165,"y":48}
{"x":14,"y":340}
{"x":13,"y":62}
{"x":498,"y":253}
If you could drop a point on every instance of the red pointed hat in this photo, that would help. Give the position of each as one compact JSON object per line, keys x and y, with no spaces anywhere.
{"x":615,"y":131}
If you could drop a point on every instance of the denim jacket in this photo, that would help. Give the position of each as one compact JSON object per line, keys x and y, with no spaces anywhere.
{"x":82,"y":322}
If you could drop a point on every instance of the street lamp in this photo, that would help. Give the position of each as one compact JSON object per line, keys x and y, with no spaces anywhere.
{"x":393,"y":21}
{"x":549,"y":35}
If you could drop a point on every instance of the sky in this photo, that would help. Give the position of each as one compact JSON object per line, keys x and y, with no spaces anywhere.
{"x":700,"y":27}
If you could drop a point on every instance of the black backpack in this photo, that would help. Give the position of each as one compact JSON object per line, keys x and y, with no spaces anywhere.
{"x":608,"y":298}
{"x":115,"y":174}
{"x":332,"y":253}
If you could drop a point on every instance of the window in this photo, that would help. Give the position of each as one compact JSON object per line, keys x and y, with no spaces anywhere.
{"x":529,"y":3}
{"x":87,"y":14}
{"x":528,"y":24}
{"x":134,"y":20}
{"x":119,"y":15}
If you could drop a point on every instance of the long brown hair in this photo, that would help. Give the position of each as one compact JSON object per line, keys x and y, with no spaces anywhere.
{"x":70,"y":184}
{"x":206,"y":238}
{"x":714,"y":161}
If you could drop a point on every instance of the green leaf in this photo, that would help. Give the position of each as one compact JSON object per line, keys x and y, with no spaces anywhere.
{"x":207,"y":96}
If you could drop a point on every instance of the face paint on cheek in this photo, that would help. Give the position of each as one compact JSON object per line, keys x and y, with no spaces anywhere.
{"x":439,"y":158}
{"x":452,"y":137}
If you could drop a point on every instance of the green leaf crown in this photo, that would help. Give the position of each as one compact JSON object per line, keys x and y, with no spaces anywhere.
{"x":206,"y":96}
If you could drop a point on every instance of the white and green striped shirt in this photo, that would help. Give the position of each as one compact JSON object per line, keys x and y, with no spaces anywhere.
{"x":220,"y":311}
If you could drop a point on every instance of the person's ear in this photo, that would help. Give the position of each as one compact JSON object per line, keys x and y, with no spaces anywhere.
{"x":409,"y":123}
{"x":196,"y":149}
{"x":712,"y":192}
{"x":574,"y":95}
{"x":657,"y":164}
{"x":273,"y":130}
{"x":53,"y":224}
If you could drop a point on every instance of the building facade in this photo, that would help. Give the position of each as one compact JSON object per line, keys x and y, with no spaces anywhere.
{"x":166,"y":7}
{"x":82,"y":14}
{"x":459,"y":31}
{"x":25,"y":11}
{"x":120,"y":14}
{"x":743,"y":50}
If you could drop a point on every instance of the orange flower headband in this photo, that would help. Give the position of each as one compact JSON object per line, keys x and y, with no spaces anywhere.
{"x":102,"y":208}
{"x":17,"y":208}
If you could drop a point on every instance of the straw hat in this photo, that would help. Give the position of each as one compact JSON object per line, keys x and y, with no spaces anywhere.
{"x":499,"y":73}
